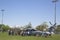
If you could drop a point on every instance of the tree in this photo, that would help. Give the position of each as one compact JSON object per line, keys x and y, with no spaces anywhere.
{"x":29,"y":25}
{"x":4,"y":27}
{"x":42,"y":26}
{"x":0,"y":25}
{"x":58,"y":29}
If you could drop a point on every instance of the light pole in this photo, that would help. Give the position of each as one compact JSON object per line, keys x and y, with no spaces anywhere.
{"x":55,"y":1}
{"x":2,"y":14}
{"x":2,"y":18}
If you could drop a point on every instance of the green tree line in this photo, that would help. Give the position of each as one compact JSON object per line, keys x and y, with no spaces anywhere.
{"x":41,"y":27}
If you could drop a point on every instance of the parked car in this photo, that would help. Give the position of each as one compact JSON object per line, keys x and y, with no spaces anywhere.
{"x":29,"y":32}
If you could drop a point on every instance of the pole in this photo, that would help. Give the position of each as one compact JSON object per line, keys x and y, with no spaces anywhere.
{"x":2,"y":18}
{"x":2,"y":15}
{"x":55,"y":14}
{"x":54,"y":1}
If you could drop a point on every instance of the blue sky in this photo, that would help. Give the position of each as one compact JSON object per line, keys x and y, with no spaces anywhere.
{"x":21,"y":12}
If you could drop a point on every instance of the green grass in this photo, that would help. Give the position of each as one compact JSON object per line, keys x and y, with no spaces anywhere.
{"x":5,"y":36}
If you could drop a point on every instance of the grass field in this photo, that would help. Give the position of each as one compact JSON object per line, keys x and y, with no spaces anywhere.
{"x":5,"y":36}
